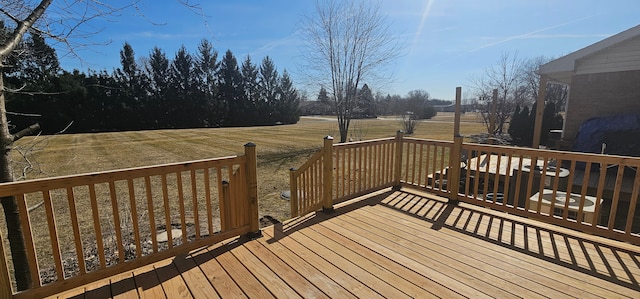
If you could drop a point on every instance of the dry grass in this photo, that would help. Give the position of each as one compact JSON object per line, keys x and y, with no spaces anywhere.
{"x":279,"y":148}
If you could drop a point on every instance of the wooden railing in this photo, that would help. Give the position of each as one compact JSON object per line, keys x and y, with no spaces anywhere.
{"x":108,"y":222}
{"x":424,"y":162}
{"x":352,"y":169}
{"x":602,"y":190}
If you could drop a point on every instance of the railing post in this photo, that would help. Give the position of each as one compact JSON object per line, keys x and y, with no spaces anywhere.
{"x":293,"y":196}
{"x":327,"y":174}
{"x":5,"y":281}
{"x":252,"y":190}
{"x":397,"y":170}
{"x":456,"y":151}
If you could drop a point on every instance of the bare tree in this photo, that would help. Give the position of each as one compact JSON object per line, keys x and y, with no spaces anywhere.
{"x":556,"y":93}
{"x":347,"y":42}
{"x":506,"y":75}
{"x":60,"y":22}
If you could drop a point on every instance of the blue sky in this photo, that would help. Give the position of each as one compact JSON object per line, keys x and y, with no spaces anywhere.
{"x":445,"y":42}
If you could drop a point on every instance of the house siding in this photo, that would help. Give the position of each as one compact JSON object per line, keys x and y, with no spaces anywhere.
{"x":601,"y":94}
{"x":624,"y":56}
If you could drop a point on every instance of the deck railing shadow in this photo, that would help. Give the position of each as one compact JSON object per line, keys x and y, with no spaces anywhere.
{"x":573,"y":250}
{"x":282,"y":230}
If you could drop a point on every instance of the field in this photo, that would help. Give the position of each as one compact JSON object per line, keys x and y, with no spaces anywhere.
{"x":279,"y":149}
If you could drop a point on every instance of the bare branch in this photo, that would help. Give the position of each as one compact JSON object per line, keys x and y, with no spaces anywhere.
{"x":23,"y":114}
{"x":23,"y":27}
{"x":26,"y":131}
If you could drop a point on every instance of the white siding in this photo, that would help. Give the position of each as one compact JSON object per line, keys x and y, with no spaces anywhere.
{"x":624,"y":56}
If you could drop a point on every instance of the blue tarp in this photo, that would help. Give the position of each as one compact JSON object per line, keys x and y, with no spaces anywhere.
{"x":593,"y":131}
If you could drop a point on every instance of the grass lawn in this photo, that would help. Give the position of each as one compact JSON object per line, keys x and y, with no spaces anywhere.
{"x":279,"y":148}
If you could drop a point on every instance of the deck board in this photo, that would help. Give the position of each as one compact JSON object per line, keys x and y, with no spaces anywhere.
{"x":394,"y":245}
{"x":317,"y":278}
{"x":196,"y":280}
{"x":224,"y":285}
{"x":288,"y":274}
{"x":469,"y":255}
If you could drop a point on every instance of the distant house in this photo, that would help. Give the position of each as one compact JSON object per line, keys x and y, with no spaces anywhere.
{"x":603,"y":79}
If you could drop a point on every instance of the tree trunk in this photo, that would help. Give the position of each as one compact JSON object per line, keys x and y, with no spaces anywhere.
{"x":9,"y":205}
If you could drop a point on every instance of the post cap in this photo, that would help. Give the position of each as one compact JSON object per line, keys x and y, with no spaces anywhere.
{"x":250,"y":144}
{"x":328,"y":137}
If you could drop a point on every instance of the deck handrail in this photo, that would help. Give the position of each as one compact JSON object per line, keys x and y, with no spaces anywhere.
{"x":162,"y":194}
{"x":351,"y":169}
{"x":606,"y":187}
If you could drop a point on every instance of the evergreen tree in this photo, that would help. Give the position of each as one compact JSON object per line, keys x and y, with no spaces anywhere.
{"x":251,"y":93}
{"x":366,"y":103}
{"x":184,"y":105}
{"x":289,"y":101}
{"x":206,"y":65}
{"x":157,"y":70}
{"x":268,"y":82}
{"x":229,"y":88}
{"x":39,"y":63}
{"x":133,"y":85}
{"x":326,"y":104}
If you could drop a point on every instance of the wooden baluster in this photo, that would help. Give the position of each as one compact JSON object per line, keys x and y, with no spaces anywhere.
{"x":134,"y":217}
{"x":583,"y":193}
{"x":183,"y":222}
{"x":53,"y":235}
{"x":167,"y":210}
{"x":232,"y":203}
{"x":25,"y":223}
{"x":194,"y":197}
{"x":5,"y":280}
{"x":293,"y":196}
{"x":207,"y":194}
{"x":76,"y":230}
{"x":225,"y":207}
{"x":398,"y":160}
{"x":96,"y":225}
{"x":507,"y":179}
{"x":599,"y":191}
{"x":116,"y":220}
{"x":407,"y":158}
{"x":349,"y":170}
{"x":221,"y":202}
{"x":360,"y":170}
{"x":632,"y":204}
{"x":615,"y":201}
{"x":152,"y":217}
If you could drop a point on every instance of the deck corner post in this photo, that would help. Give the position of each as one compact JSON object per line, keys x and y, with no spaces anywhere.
{"x":5,"y":282}
{"x":397,"y":170}
{"x":454,"y":165}
{"x":252,"y":189}
{"x":327,"y":174}
{"x":540,"y":101}
{"x":456,"y":152}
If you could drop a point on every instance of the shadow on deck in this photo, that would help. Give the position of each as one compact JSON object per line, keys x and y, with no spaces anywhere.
{"x":393,"y":244}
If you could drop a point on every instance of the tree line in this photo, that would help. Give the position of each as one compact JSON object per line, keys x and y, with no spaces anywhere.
{"x":153,"y":92}
{"x":367,"y":104}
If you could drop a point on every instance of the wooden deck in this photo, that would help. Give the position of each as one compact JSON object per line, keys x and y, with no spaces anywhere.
{"x":396,"y":245}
